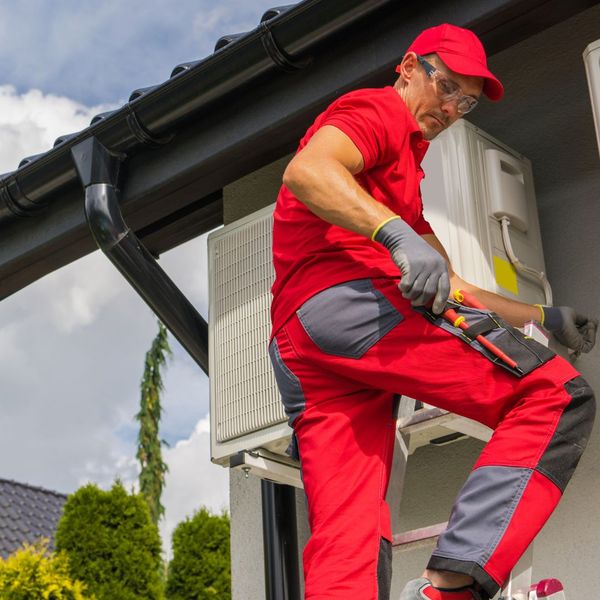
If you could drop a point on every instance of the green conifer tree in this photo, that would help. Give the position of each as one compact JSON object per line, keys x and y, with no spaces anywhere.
{"x":149,"y":453}
{"x":112,"y":545}
{"x":201,"y":564}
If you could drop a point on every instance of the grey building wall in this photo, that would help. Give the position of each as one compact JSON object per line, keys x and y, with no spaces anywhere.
{"x":545,"y":115}
{"x":247,"y":562}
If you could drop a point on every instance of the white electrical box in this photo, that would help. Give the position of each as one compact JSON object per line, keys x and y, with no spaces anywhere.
{"x":591,"y":57}
{"x":471,"y":181}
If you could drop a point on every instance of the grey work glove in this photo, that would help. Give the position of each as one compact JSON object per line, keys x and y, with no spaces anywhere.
{"x":424,"y":271}
{"x":571,"y":329}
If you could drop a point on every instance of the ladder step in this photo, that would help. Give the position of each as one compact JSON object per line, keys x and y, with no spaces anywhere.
{"x":408,"y":540}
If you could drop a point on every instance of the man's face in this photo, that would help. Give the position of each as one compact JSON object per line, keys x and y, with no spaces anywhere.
{"x":432,"y":113}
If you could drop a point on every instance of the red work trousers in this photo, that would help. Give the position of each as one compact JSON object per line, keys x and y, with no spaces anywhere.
{"x":340,"y":363}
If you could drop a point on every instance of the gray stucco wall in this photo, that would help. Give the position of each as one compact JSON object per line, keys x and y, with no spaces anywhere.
{"x":546,"y":116}
{"x":247,"y":562}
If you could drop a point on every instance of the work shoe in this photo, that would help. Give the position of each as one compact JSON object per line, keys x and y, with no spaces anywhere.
{"x":422,"y":589}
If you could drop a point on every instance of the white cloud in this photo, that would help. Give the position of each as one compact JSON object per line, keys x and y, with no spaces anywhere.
{"x":72,"y":344}
{"x":90,"y":51}
{"x":31,"y":122}
{"x":74,"y":297}
{"x":206,"y":22}
{"x":123,"y":467}
{"x":192,"y":481}
{"x":13,"y":357}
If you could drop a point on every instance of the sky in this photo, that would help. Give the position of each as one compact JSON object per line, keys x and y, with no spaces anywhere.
{"x":72,"y":344}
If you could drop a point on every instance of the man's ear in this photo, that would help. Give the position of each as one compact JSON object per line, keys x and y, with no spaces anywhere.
{"x":408,"y":65}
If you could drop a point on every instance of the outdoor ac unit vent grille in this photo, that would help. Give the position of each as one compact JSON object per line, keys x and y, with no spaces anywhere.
{"x":244,"y":389}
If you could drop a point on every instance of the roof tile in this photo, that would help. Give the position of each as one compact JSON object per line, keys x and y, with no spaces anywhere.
{"x":27,"y":513}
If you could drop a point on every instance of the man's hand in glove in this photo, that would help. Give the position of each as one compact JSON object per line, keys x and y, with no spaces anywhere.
{"x":571,"y":329}
{"x":424,"y":271}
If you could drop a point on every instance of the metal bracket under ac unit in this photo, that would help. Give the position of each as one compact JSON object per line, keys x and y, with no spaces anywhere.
{"x":267,"y":465}
{"x":436,"y":426}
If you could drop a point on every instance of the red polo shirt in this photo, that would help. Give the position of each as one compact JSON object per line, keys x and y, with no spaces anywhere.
{"x":310,"y":254}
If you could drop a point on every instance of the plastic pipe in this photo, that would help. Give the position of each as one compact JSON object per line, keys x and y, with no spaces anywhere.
{"x":522,"y":268}
{"x":98,"y":170}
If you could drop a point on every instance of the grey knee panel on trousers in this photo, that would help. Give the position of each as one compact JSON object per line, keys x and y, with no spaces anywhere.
{"x":479,"y":519}
{"x":571,"y":435}
{"x":489,"y":498}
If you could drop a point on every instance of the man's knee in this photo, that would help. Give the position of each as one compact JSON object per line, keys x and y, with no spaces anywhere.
{"x":571,"y":435}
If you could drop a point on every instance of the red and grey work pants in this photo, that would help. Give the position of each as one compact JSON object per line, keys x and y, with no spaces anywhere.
{"x":340,"y":363}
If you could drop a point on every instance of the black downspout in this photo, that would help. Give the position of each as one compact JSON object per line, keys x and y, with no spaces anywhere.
{"x":98,"y":171}
{"x":280,"y":541}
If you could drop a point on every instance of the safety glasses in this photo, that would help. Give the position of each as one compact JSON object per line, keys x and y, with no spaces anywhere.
{"x":447,"y":90}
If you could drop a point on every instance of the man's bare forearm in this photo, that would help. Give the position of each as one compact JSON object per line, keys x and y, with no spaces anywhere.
{"x":329,"y":190}
{"x":514,"y":312}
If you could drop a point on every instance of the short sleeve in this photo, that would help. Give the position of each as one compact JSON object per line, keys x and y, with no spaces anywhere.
{"x":422,"y":226}
{"x":363,"y":117}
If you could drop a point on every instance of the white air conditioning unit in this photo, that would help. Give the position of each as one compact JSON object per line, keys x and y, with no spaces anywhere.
{"x":248,"y":424}
{"x":471,"y":179}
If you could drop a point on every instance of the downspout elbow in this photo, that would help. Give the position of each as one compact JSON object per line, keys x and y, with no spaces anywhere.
{"x":104,"y":216}
{"x":98,"y":170}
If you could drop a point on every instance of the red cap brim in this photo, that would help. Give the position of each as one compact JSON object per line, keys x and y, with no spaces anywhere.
{"x":492,"y":87}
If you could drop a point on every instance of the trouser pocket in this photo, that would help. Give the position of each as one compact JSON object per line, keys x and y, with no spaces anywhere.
{"x":348,"y":319}
{"x":525,"y":351}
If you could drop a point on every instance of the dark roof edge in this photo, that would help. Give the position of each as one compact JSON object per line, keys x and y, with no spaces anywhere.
{"x":173,"y":193}
{"x":37,"y":488}
{"x":153,"y":115}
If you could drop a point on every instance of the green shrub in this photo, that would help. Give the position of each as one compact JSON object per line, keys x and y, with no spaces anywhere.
{"x":112,"y":544}
{"x":32,"y":574}
{"x":200,"y":569}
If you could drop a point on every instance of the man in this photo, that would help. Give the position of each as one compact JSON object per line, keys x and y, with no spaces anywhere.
{"x":357,"y":270}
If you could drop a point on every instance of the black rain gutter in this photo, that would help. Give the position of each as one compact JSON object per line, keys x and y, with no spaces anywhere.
{"x":352,"y":43}
{"x":98,"y":170}
{"x":283,"y":40}
{"x":153,"y":115}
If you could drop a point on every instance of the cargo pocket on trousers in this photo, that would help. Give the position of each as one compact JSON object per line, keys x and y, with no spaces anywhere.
{"x":525,"y":351}
{"x":348,"y":319}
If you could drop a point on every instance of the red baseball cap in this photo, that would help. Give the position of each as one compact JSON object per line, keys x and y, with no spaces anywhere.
{"x":462,"y":51}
